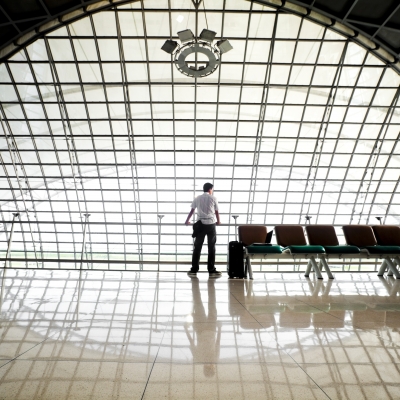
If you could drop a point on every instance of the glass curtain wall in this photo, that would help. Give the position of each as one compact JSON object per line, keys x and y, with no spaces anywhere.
{"x":95,"y":119}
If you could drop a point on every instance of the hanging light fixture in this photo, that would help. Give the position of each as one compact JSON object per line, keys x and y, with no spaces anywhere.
{"x":200,"y":47}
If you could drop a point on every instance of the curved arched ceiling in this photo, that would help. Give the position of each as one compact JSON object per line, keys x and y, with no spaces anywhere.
{"x":375,"y":24}
{"x":297,"y":121}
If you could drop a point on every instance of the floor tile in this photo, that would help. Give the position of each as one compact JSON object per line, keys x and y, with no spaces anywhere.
{"x":51,"y":380}
{"x":356,"y":381}
{"x":18,"y":337}
{"x":102,"y":341}
{"x":278,"y":336}
{"x":238,"y":341}
{"x":235,"y":381}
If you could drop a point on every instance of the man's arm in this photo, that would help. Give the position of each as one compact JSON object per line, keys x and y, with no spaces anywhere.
{"x":217,"y":215}
{"x":189,"y":216}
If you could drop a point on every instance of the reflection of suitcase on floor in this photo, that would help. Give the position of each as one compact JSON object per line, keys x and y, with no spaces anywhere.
{"x":235,"y":260}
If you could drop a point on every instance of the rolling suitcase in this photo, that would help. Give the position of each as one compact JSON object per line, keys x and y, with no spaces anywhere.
{"x":235,"y":260}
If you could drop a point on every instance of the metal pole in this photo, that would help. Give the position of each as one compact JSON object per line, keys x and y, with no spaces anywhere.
{"x":3,"y":278}
{"x":235,"y":218}
{"x":308,"y":219}
{"x":84,"y":238}
{"x":379,"y":219}
{"x":160,"y":217}
{"x":15,"y":216}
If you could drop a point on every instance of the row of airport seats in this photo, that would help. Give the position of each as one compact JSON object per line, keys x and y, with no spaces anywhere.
{"x":363,"y":241}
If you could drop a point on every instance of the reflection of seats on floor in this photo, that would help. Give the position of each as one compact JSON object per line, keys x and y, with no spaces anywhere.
{"x":290,"y":319}
{"x":267,"y":321}
{"x":302,"y":311}
{"x":363,"y":237}
{"x":257,"y":306}
{"x":393,"y":319}
{"x":320,"y":307}
{"x":317,"y":286}
{"x":348,"y":306}
{"x":370,"y":318}
{"x":392,"y":285}
{"x":384,"y":306}
{"x":336,"y":320}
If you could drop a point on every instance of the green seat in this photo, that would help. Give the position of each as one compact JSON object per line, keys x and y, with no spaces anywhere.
{"x":382,"y":249}
{"x":342,"y":249}
{"x":264,"y":249}
{"x":306,"y":249}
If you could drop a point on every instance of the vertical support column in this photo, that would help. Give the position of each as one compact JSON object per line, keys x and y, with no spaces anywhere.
{"x":84,"y":238}
{"x":379,"y":219}
{"x":160,"y":217}
{"x":235,"y":217}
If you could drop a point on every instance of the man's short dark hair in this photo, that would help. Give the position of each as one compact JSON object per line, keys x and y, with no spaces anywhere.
{"x":207,"y":186}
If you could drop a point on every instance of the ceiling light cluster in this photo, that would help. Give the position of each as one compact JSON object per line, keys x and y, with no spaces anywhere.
{"x":203,"y":45}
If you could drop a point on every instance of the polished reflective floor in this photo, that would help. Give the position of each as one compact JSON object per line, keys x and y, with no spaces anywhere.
{"x":134,"y":335}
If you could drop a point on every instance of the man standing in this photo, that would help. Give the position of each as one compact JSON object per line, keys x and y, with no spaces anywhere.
{"x":207,"y":208}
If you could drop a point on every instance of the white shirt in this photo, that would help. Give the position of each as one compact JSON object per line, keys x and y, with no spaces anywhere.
{"x":206,"y":205}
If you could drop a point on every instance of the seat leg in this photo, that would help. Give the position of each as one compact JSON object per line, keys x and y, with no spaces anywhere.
{"x":395,"y":288}
{"x":382,"y":268}
{"x":327,"y":288}
{"x":308,"y":269}
{"x":310,"y":285}
{"x":326,"y":266}
{"x":315,"y":267}
{"x":319,"y":286}
{"x":250,"y":268}
{"x":392,"y":268}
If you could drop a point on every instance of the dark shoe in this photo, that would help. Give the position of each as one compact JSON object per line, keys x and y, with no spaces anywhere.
{"x":215,"y":274}
{"x":191,"y":273}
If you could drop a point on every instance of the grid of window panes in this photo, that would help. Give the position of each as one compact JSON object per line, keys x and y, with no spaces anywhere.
{"x":297,"y":121}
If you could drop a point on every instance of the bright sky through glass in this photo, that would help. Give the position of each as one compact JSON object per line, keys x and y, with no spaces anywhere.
{"x":96,"y":119}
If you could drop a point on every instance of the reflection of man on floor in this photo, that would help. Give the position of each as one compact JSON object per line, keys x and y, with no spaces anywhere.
{"x":205,"y":343}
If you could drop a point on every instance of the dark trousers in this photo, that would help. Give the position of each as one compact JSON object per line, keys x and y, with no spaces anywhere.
{"x":211,"y":233}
